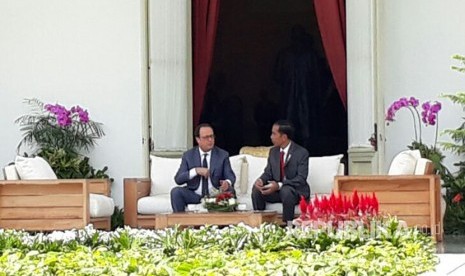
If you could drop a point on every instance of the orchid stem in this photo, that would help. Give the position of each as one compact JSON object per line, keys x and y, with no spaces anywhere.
{"x":415,"y":123}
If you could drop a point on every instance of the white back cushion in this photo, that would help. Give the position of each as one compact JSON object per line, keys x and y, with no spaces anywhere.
{"x":321,"y":173}
{"x":256,"y":166}
{"x":33,"y":168}
{"x":162,"y":172}
{"x":404,"y":163}
{"x":10,"y":172}
{"x":420,"y":168}
{"x":237,"y":162}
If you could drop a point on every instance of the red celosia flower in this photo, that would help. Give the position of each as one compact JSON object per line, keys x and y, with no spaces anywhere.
{"x":355,"y":200}
{"x":457,"y":198}
{"x":316,"y":202}
{"x":375,"y":204}
{"x":303,"y":207}
{"x":310,"y":210}
{"x":362,"y":205}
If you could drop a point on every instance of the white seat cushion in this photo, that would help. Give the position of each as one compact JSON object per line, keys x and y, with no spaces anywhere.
{"x":245,"y":199}
{"x":150,"y":205}
{"x":420,"y":167}
{"x":100,"y":206}
{"x":33,"y":168}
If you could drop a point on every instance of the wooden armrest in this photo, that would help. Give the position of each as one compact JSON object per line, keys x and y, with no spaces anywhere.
{"x":134,"y":188}
{"x":44,"y":205}
{"x":100,"y":186}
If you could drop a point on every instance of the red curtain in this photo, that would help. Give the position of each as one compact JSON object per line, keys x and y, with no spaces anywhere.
{"x":332,"y":23}
{"x":204,"y":24}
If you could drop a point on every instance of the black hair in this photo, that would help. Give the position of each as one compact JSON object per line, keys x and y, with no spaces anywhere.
{"x":197,"y":129}
{"x":285,"y":127}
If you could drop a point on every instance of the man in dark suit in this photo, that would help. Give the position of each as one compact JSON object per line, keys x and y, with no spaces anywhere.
{"x":285,"y":176}
{"x":204,"y":168}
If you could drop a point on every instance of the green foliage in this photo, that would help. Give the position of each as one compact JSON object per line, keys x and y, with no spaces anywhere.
{"x":432,"y":153}
{"x":454,"y":221}
{"x":70,"y":165}
{"x":117,"y":219}
{"x":234,"y":250}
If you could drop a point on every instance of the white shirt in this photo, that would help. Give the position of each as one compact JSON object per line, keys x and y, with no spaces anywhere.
{"x":193,"y":173}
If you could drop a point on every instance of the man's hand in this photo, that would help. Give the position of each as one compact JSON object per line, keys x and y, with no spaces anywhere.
{"x":202,"y":171}
{"x":224,"y":185}
{"x":270,"y":188}
{"x":259,"y":184}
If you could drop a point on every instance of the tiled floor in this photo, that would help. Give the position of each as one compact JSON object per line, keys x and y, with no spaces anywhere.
{"x":451,"y":254}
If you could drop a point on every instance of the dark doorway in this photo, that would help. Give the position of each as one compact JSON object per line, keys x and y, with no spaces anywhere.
{"x":260,"y":45}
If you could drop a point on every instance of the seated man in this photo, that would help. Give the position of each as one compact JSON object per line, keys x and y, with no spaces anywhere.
{"x":203,"y":168}
{"x":285,"y":176}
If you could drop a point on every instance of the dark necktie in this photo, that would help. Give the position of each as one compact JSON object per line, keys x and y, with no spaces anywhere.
{"x":281,"y":166}
{"x":204,"y":179}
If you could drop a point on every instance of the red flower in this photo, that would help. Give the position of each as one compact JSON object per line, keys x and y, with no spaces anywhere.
{"x":310,"y":210}
{"x":355,"y":200}
{"x":224,"y":196}
{"x":457,"y":198}
{"x":375,"y":203}
{"x":303,"y":206}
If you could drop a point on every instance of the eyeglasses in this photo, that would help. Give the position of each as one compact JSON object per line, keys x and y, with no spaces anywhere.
{"x":208,"y":137}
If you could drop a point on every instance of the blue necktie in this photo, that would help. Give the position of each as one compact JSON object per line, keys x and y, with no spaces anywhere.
{"x":204,"y":179}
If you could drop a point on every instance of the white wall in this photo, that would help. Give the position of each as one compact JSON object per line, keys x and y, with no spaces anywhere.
{"x":85,"y":52}
{"x":416,"y":40}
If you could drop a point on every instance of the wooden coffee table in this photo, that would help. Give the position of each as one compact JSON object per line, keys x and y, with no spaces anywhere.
{"x":252,"y":218}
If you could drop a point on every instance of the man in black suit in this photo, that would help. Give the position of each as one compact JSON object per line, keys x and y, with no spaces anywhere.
{"x":285,"y":176}
{"x":204,"y":168}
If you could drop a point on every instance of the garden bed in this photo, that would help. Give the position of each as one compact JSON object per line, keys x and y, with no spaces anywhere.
{"x":386,"y":249}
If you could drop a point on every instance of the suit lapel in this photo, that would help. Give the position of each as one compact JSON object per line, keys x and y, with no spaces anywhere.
{"x":213,"y":160}
{"x":197,"y":157}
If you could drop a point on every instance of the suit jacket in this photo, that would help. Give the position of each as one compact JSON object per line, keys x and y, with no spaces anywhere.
{"x":295,"y":168}
{"x":220,"y":168}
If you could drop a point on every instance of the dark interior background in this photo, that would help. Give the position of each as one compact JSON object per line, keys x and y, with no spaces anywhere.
{"x":243,"y":96}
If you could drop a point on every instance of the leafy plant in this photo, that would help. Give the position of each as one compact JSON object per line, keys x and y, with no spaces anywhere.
{"x":55,"y":127}
{"x":454,"y":221}
{"x":268,"y":250}
{"x":117,"y":219}
{"x":59,"y":136}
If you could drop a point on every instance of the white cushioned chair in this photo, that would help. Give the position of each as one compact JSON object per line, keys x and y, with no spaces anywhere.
{"x":32,"y":198}
{"x":409,"y":191}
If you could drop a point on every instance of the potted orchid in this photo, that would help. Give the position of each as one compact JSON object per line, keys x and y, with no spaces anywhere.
{"x":61,"y":136}
{"x":428,"y":117}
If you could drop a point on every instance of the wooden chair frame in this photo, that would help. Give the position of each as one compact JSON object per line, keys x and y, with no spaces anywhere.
{"x":47,"y":205}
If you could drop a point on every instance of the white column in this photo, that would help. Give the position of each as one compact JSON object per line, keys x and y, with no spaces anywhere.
{"x":361,"y":76}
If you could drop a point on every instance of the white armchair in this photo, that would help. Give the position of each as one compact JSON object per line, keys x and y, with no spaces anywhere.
{"x":35,"y":200}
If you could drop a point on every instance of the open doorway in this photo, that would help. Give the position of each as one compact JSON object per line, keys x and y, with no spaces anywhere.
{"x":259,"y":46}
